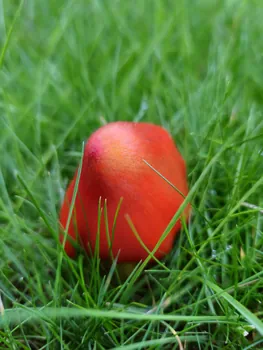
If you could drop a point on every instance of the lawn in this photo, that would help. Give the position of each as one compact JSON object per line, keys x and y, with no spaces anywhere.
{"x":193,"y":66}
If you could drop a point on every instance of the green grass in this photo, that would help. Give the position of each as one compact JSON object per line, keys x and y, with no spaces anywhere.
{"x":195,"y":67}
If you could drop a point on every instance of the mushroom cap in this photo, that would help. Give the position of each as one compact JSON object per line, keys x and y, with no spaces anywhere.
{"x":114,"y":167}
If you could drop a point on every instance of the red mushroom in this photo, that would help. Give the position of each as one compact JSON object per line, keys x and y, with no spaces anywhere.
{"x":114,"y":167}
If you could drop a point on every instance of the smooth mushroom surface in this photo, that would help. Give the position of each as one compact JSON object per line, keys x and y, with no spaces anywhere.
{"x":114,"y":167}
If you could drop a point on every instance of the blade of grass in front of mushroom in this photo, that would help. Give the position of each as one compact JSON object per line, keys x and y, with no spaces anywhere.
{"x":106,"y":222}
{"x":95,"y":254}
{"x":187,"y":200}
{"x":136,"y":234}
{"x":102,"y":295}
{"x":180,"y":211}
{"x":177,"y":190}
{"x":115,"y":219}
{"x":110,"y":238}
{"x":62,"y":252}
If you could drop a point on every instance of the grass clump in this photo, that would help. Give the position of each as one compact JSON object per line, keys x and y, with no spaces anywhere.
{"x":196,"y":68}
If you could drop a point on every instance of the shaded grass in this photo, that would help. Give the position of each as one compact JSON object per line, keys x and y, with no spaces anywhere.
{"x":194,"y":67}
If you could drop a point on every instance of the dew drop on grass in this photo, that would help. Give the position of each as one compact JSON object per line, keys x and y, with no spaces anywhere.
{"x":214,"y":254}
